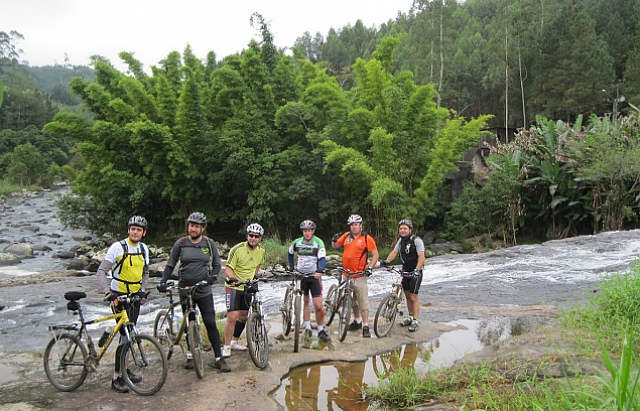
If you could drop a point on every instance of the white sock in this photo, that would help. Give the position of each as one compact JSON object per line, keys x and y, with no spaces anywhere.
{"x":307,"y":325}
{"x":358,"y":320}
{"x":320,"y":328}
{"x":189,"y":356}
{"x":234,"y":342}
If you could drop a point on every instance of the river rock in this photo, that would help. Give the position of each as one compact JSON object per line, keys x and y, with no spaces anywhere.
{"x":32,"y":228}
{"x":4,"y":241}
{"x":65,"y":254}
{"x":20,"y":250}
{"x":55,"y":235}
{"x":82,"y":237}
{"x":41,"y":247}
{"x":8,"y":259}
{"x":79,"y":264}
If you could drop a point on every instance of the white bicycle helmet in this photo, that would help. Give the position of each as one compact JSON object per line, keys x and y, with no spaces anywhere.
{"x":406,"y":222}
{"x":307,"y":224}
{"x":255,"y":228}
{"x":138,"y":221}
{"x":354,"y":218}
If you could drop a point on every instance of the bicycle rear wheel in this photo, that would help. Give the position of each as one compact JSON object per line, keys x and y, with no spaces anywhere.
{"x":345,"y":316}
{"x":257,"y":340}
{"x":330,"y":304}
{"x":143,"y":357}
{"x":64,"y":362}
{"x":195,"y":345}
{"x":163,"y":332}
{"x":287,"y":310}
{"x":385,"y":316}
{"x":297,"y":305}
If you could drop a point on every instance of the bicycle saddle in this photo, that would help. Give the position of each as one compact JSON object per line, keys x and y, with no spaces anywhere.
{"x":74,"y":295}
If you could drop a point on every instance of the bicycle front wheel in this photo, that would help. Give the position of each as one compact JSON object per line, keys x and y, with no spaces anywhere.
{"x":143,"y":362}
{"x":330,"y":304}
{"x":163,"y":331}
{"x":385,"y":316}
{"x":287,"y":311}
{"x":195,"y":345}
{"x":64,"y":362}
{"x":345,"y":316}
{"x":297,"y":305}
{"x":257,"y":340}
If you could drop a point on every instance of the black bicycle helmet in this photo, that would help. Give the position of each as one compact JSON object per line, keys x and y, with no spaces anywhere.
{"x":197,"y":218}
{"x":406,"y":222}
{"x":307,"y":225}
{"x":138,"y":221}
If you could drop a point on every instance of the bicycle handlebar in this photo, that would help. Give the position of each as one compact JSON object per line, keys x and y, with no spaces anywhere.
{"x":408,"y":274}
{"x":129,"y":298}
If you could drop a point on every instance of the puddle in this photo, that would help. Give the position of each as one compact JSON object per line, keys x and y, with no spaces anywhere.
{"x":336,"y":385}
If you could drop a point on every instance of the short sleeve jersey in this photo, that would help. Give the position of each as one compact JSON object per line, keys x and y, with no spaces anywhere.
{"x":194,"y":262}
{"x":243,"y":261}
{"x":308,"y":254}
{"x":356,"y":250}
{"x":130,"y":271}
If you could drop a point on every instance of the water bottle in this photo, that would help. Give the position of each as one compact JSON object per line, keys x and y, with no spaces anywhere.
{"x":105,"y":336}
{"x":177,"y":319}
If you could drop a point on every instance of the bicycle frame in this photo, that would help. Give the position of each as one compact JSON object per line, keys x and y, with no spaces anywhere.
{"x":122,"y":317}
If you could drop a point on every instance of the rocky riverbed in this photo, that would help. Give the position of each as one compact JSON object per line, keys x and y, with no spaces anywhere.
{"x":25,"y":387}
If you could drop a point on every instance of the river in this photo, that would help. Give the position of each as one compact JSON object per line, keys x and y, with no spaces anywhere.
{"x":557,"y":272}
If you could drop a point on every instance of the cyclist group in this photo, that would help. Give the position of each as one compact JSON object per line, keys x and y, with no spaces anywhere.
{"x":200,"y":261}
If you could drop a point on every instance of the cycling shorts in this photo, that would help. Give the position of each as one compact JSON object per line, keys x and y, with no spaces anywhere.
{"x":237,"y":300}
{"x":313,"y":285}
{"x":412,"y":285}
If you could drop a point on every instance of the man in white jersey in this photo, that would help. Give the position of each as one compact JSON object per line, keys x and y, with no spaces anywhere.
{"x":312,"y":258}
{"x":129,"y":261}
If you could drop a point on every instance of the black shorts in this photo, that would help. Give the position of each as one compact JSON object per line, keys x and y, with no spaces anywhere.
{"x":412,"y":285}
{"x":237,"y":300}
{"x":311,"y":284}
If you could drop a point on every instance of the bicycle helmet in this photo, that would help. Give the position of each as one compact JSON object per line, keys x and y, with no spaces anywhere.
{"x":354,"y":218}
{"x":307,"y":224}
{"x":406,"y":222}
{"x":138,"y":220}
{"x":197,"y":218}
{"x":255,"y":228}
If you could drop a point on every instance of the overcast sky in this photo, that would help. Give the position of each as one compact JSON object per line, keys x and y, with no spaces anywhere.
{"x":151,"y":29}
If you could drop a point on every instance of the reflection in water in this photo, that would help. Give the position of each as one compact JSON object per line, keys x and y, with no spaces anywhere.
{"x":338,"y":385}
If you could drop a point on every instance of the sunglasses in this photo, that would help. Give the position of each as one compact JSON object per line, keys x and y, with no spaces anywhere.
{"x":254,"y":235}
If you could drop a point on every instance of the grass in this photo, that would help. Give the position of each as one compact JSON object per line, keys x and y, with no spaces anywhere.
{"x":605,"y":329}
{"x":7,"y":187}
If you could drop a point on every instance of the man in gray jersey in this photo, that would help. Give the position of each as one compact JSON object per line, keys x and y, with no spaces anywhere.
{"x":199,"y":261}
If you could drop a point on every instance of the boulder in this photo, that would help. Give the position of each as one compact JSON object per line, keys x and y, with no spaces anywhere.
{"x":20,"y":250}
{"x":41,"y":247}
{"x":79,"y":264}
{"x":32,"y":228}
{"x":8,"y":259}
{"x":65,"y":254}
{"x":82,"y":237}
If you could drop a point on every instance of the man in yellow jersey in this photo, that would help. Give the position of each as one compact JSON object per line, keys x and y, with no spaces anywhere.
{"x":243,"y":264}
{"x":129,"y":261}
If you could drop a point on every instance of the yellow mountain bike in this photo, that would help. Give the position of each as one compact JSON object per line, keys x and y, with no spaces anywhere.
{"x":68,"y":359}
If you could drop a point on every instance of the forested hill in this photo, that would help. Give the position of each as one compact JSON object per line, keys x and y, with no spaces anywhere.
{"x":561,"y":57}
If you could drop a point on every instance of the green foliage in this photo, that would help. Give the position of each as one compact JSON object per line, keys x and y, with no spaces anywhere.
{"x":26,"y":165}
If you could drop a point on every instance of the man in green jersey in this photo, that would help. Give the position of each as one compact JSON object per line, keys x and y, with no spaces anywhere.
{"x":243,"y":264}
{"x":311,"y":260}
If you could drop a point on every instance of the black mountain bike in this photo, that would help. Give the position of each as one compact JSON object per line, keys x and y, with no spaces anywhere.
{"x":170,"y":334}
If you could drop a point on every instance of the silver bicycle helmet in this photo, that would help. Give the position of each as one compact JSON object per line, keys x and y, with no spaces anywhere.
{"x":197,"y":218}
{"x":354,"y":218}
{"x":406,"y":222}
{"x":307,"y":224}
{"x":138,"y":220}
{"x":255,"y":228}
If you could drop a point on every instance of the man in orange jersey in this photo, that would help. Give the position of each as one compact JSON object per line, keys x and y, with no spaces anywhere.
{"x":357,"y":246}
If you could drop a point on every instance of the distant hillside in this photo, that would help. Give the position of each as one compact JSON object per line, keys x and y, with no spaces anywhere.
{"x":55,"y":80}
